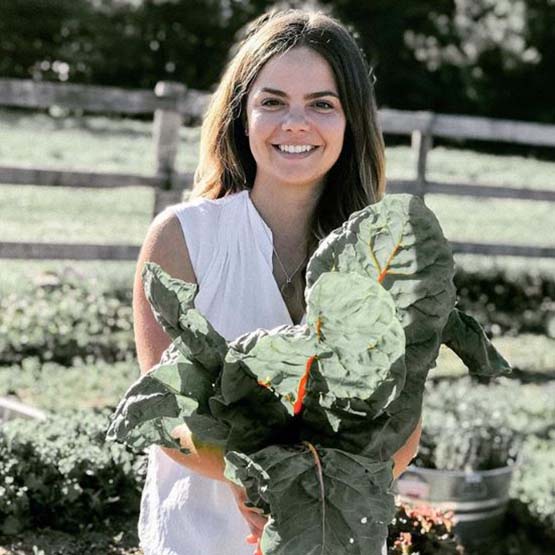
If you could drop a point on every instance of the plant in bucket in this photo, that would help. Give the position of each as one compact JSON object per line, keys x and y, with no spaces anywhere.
{"x":466,"y":458}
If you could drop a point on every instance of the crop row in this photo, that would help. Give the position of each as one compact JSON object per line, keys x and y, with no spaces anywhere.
{"x":64,"y":319}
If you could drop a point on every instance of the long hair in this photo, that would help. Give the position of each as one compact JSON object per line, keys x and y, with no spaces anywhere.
{"x":226,"y":164}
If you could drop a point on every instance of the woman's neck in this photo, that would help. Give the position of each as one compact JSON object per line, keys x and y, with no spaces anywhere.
{"x":287,"y":211}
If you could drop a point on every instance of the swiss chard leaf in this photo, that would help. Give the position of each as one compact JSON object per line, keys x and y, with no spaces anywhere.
{"x":464,"y":335}
{"x":397,"y":242}
{"x":172,"y":301}
{"x":321,"y":501}
{"x":166,"y":396}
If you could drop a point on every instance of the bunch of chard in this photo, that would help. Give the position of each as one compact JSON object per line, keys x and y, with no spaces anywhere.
{"x":309,"y":416}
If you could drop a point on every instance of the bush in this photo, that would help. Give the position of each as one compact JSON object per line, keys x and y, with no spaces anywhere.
{"x":487,"y":57}
{"x":62,"y":319}
{"x":525,"y":408}
{"x":506,"y":304}
{"x":61,"y":473}
{"x":533,"y":489}
{"x":474,"y":426}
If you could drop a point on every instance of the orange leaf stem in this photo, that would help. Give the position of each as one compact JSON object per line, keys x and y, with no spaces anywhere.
{"x":301,"y":392}
{"x":383,"y":273}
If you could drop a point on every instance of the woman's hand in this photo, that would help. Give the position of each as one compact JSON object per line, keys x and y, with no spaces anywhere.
{"x":254,"y":517}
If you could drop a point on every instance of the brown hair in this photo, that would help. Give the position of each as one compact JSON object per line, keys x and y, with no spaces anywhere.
{"x":226,"y":164}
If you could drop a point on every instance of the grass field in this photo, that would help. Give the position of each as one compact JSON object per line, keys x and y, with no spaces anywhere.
{"x":29,"y":213}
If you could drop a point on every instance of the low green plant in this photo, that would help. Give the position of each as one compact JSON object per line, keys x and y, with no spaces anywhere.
{"x":61,"y":473}
{"x":466,"y":427}
{"x":533,"y":489}
{"x":53,"y":387}
{"x":506,"y":303}
{"x":63,"y":319}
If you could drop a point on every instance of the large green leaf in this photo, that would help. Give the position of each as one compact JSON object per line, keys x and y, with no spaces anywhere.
{"x":147,"y":414}
{"x":172,"y":392}
{"x":276,"y":358}
{"x":464,"y":335}
{"x":356,"y":339}
{"x":399,"y":243}
{"x":365,"y":340}
{"x":321,"y":501}
{"x":169,"y":297}
{"x":171,"y":300}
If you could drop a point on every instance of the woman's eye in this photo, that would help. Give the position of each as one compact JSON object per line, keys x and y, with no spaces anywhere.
{"x":322,"y":104}
{"x":271,"y":102}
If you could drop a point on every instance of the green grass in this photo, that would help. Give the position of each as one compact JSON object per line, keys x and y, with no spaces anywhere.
{"x":99,"y":143}
{"x":452,"y":165}
{"x":53,"y":214}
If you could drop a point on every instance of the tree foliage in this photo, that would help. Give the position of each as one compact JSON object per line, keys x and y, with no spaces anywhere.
{"x":488,"y":57}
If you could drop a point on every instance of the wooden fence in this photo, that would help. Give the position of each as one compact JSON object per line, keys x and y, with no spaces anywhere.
{"x":173,"y":104}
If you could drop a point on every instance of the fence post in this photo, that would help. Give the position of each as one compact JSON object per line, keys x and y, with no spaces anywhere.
{"x":167,"y":123}
{"x":422,"y":142}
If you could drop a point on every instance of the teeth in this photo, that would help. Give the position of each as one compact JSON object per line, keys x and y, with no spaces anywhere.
{"x":296,"y":149}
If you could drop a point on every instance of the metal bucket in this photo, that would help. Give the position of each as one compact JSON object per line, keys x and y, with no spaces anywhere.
{"x":477,"y":498}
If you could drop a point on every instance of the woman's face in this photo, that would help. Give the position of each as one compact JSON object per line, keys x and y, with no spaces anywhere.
{"x":293,"y":105}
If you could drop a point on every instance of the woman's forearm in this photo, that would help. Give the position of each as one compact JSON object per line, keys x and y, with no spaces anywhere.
{"x":208,"y":460}
{"x":204,"y":459}
{"x":403,"y":457}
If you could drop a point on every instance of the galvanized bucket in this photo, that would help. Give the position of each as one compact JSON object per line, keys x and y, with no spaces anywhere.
{"x":477,"y":498}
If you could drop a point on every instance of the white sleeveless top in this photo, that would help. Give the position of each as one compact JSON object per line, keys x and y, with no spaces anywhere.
{"x":230,"y":246}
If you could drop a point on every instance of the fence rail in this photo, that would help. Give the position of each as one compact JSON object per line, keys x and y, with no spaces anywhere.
{"x":172,"y":104}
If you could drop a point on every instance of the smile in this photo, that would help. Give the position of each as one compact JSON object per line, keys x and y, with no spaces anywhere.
{"x":295,"y":150}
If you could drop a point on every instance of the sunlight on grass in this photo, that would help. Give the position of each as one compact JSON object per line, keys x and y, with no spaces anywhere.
{"x":57,"y":214}
{"x":91,"y":143}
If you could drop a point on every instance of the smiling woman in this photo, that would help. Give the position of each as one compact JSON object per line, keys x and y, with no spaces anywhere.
{"x":290,"y":147}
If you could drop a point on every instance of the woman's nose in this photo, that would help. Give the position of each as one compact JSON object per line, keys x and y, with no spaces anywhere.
{"x":295,"y":121}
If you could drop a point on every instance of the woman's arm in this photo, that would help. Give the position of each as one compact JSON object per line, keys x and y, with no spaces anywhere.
{"x":165,"y":245}
{"x":403,"y":457}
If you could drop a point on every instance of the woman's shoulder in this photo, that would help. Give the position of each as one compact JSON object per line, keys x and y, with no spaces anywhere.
{"x":204,"y":204}
{"x":202,"y":217}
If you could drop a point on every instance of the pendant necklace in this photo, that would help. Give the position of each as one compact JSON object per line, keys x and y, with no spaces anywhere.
{"x":288,"y":289}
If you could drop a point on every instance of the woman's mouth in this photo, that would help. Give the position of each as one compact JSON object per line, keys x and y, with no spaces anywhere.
{"x":295,"y":151}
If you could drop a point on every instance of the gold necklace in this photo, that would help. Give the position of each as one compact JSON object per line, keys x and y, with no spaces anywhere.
{"x":288,"y":289}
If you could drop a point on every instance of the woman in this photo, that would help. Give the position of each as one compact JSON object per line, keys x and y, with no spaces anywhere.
{"x":290,"y":147}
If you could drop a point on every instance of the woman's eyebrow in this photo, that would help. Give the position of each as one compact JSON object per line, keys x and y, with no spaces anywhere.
{"x":318,"y":94}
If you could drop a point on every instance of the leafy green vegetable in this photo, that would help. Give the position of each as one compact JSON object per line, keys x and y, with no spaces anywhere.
{"x":172,"y":304}
{"x":320,"y":501}
{"x":316,"y":412}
